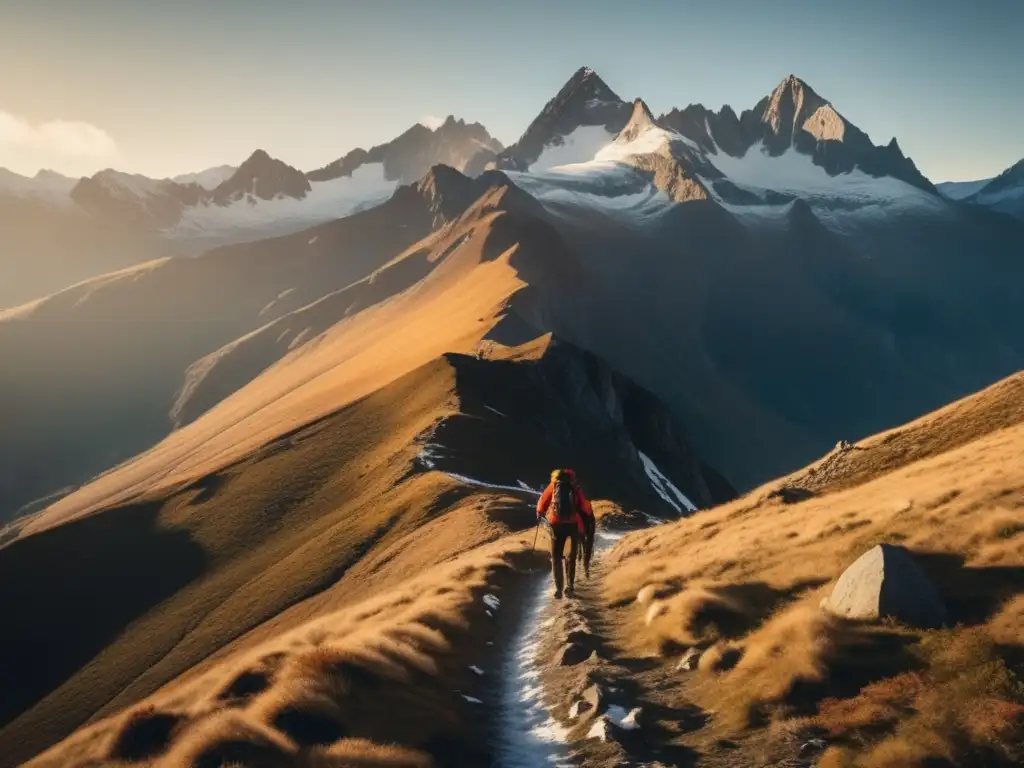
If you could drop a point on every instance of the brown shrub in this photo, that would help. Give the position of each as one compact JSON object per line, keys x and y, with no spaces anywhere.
{"x":229,"y":737}
{"x":360,"y":753}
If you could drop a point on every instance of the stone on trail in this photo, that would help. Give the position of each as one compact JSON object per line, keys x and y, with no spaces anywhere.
{"x":594,"y":698}
{"x":885,"y":581}
{"x":690,"y":660}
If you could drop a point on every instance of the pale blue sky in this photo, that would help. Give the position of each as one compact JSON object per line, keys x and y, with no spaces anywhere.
{"x":177,"y":86}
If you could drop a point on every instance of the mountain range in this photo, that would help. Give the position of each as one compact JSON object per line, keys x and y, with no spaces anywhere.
{"x":288,"y":388}
{"x":774,"y":277}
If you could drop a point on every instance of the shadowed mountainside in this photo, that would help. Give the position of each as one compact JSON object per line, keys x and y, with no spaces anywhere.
{"x":311,"y":522}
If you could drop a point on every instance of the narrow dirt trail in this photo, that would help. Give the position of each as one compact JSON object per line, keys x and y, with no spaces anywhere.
{"x":532,"y":724}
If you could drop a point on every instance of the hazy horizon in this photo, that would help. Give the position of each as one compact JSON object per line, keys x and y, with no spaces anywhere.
{"x":164,"y":91}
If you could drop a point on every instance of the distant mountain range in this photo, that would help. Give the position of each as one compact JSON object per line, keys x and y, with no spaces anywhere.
{"x":232,"y":399}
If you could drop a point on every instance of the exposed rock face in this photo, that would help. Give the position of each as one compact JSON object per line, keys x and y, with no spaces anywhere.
{"x":584,"y":100}
{"x":405,"y":159}
{"x":262,"y":177}
{"x":135,"y":201}
{"x":885,"y":581}
{"x":794,"y":116}
{"x":666,"y":160}
{"x":154,"y":204}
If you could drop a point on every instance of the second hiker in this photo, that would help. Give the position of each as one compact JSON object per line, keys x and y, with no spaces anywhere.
{"x":571,"y":518}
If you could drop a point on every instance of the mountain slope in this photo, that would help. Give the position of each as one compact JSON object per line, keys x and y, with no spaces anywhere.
{"x":364,"y":498}
{"x":130,"y":336}
{"x":584,"y":114}
{"x":946,"y":487}
{"x":721,"y":280}
{"x":411,"y":155}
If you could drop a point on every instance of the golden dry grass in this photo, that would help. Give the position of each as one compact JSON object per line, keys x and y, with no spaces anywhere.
{"x":949,"y":487}
{"x":374,"y":684}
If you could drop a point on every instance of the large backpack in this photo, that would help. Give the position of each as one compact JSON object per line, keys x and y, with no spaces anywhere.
{"x":563,"y":501}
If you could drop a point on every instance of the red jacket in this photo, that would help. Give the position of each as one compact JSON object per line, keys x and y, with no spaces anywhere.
{"x":544,"y":504}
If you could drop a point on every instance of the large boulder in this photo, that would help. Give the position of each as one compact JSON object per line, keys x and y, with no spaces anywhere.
{"x":885,"y":581}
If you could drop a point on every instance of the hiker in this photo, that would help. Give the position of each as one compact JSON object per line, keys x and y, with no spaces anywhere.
{"x":570,"y":516}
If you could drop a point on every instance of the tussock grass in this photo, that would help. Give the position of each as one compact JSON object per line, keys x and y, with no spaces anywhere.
{"x":371,"y":685}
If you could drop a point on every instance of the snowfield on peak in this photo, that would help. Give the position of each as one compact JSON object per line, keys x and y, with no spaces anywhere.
{"x":796,"y":174}
{"x":578,"y":147}
{"x":327,"y":200}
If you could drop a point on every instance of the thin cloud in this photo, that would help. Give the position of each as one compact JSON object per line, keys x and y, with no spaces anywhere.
{"x":431,"y":122}
{"x":69,"y":138}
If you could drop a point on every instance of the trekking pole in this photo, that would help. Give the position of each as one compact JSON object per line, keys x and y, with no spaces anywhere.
{"x":535,"y":534}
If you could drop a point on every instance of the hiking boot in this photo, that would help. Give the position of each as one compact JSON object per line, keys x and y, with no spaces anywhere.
{"x":558,"y":594}
{"x":570,"y":592}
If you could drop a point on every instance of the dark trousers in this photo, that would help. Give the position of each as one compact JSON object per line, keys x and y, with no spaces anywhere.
{"x":589,"y":530}
{"x":559,"y":533}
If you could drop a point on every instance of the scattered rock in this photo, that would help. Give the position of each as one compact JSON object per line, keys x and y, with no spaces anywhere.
{"x":593,"y":697}
{"x":656,"y":591}
{"x":571,"y":654}
{"x":574,"y":710}
{"x":600,"y":730}
{"x":690,"y":660}
{"x":885,"y":581}
{"x":620,"y":718}
{"x":631,"y":721}
{"x":814,"y":745}
{"x":654,"y":610}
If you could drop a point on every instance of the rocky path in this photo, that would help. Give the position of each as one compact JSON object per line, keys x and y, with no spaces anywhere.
{"x":567,"y":695}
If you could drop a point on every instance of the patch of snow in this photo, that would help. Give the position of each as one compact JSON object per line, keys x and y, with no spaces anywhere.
{"x":492,"y":601}
{"x":211,"y":178}
{"x":664,"y":486}
{"x":612,"y":188}
{"x":837,"y":200}
{"x":609,"y":537}
{"x":471,"y":699}
{"x":958,"y":190}
{"x":1009,"y":195}
{"x":313,"y":239}
{"x":326,"y":201}
{"x":429,"y":454}
{"x":489,"y":614}
{"x":579,"y":146}
{"x":599,"y":730}
{"x":648,"y":142}
{"x":495,"y":410}
{"x":480,"y":484}
{"x":527,"y":735}
{"x":627,"y":721}
{"x":476,"y":669}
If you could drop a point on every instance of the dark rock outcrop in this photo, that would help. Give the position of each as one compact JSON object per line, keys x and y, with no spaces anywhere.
{"x":584,"y":100}
{"x":454,"y":143}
